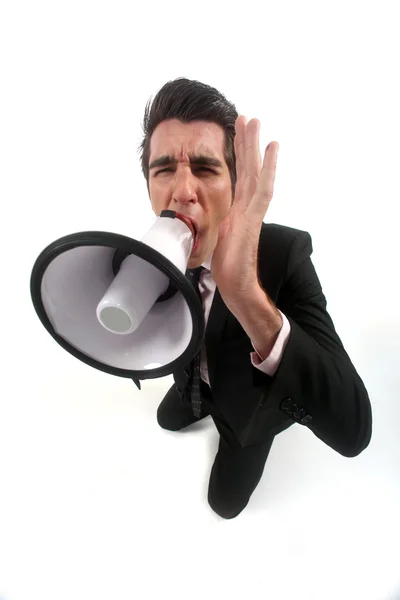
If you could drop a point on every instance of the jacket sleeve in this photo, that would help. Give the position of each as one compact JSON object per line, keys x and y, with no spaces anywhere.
{"x":316,"y":384}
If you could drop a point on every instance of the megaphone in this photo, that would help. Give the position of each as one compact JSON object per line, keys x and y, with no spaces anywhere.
{"x":121,"y":305}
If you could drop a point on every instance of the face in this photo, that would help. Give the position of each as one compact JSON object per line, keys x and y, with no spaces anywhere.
{"x":200,"y":189}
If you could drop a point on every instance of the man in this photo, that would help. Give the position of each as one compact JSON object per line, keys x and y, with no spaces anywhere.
{"x":271,"y":356}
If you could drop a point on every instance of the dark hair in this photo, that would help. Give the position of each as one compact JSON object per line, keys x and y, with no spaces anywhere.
{"x":189,"y":100}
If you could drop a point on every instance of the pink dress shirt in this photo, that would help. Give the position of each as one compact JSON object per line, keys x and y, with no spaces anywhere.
{"x":207,"y":288}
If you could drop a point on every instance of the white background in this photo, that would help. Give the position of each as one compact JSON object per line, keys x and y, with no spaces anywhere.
{"x":96,"y":500}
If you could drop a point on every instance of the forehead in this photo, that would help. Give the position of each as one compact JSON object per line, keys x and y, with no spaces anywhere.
{"x":178,"y":138}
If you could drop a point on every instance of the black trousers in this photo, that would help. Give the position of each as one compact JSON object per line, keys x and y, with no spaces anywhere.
{"x":220,"y":423}
{"x":236,"y":471}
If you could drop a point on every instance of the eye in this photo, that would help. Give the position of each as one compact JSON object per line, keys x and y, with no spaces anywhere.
{"x":199,"y":169}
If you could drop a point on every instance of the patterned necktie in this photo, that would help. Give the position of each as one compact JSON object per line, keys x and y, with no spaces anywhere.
{"x":194,"y":277}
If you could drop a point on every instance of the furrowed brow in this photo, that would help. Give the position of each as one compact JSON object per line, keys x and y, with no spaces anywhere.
{"x":195,"y":159}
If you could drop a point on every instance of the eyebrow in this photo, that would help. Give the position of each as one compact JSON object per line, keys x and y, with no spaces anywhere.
{"x":196,"y":159}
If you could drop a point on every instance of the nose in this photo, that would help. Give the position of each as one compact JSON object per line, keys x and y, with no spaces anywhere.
{"x":184,"y":190}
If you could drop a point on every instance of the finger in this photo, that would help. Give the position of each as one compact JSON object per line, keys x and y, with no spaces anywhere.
{"x":240,"y":127}
{"x":252,"y":149}
{"x":265,"y":188}
{"x":266,"y":181}
{"x":239,"y":141}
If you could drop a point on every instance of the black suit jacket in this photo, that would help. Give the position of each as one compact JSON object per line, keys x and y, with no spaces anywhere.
{"x":315,"y":385}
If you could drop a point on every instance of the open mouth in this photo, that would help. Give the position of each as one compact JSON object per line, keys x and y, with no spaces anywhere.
{"x":188,"y":221}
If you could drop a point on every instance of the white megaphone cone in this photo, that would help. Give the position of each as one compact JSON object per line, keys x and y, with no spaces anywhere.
{"x":121,"y":305}
{"x":124,"y":306}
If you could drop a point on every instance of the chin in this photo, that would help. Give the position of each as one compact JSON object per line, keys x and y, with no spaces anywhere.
{"x":193,"y":263}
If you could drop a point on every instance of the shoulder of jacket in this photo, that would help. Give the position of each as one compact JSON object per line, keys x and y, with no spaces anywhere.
{"x":280,"y":237}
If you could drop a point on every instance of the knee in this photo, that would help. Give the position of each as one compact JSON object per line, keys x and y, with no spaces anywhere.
{"x":164,"y":420}
{"x":224,"y":507}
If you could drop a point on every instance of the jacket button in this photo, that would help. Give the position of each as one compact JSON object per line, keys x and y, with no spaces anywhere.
{"x":287,"y":403}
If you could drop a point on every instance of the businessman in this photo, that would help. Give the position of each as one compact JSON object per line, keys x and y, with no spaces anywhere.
{"x":270,"y":356}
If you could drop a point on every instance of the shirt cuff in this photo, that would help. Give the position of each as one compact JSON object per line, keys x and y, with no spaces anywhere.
{"x":271,"y":363}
